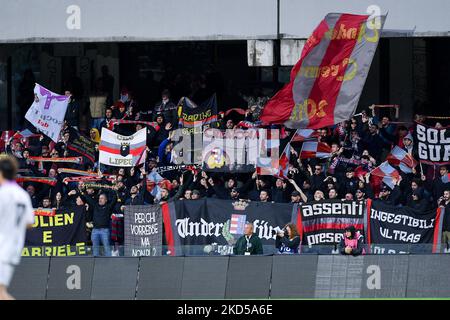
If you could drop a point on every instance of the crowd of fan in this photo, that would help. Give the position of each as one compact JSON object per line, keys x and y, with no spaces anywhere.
{"x":358,"y":145}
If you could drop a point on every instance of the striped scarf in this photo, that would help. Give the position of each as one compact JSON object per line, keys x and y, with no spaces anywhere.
{"x":117,"y":230}
{"x":335,"y":162}
{"x":78,"y":172}
{"x":77,"y":160}
{"x":86,"y":179}
{"x":95,"y":185}
{"x":121,"y":121}
{"x":46,"y":180}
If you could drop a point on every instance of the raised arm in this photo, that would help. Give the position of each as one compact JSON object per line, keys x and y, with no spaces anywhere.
{"x":297,"y":188}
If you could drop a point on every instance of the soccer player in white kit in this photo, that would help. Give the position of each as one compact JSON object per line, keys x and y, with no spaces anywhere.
{"x":16,"y":213}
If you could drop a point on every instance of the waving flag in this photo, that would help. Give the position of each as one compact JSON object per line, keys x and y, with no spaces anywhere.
{"x":399,"y":157}
{"x":26,"y":134}
{"x":386,"y":173}
{"x":122,"y":151}
{"x":314,"y":149}
{"x":301,"y":135}
{"x":284,"y":161}
{"x":327,"y":81}
{"x":47,"y":112}
{"x":268,"y":142}
{"x":155,"y":182}
{"x":446,"y":178}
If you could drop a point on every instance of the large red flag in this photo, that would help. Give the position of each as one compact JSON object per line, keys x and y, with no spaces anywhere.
{"x":327,"y":81}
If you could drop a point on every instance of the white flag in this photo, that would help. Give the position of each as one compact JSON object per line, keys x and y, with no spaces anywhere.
{"x":122,"y":151}
{"x":47,"y":112}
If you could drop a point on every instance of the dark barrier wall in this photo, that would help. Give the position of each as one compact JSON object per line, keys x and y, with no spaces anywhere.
{"x":219,"y":277}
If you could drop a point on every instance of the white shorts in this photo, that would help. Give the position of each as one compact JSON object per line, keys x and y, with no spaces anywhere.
{"x":6,"y":272}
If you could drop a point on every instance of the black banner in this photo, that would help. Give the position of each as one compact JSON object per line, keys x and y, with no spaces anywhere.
{"x":213,"y":226}
{"x":402,"y":229}
{"x":83,"y":146}
{"x":322,"y":223}
{"x":194,"y":118}
{"x":433,"y":145}
{"x":143,"y":231}
{"x":60,"y":234}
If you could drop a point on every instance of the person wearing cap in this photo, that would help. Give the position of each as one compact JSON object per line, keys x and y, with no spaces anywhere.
{"x":408,"y":143}
{"x":195,"y":195}
{"x":390,"y":197}
{"x":295,"y":197}
{"x":351,"y":242}
{"x":249,"y":243}
{"x":350,"y":182}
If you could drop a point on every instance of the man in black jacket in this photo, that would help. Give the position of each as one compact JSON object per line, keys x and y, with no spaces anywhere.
{"x":389,"y":197}
{"x":101,"y":219}
{"x":73,"y":111}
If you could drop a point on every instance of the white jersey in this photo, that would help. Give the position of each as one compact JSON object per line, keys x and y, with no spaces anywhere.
{"x":16,"y":212}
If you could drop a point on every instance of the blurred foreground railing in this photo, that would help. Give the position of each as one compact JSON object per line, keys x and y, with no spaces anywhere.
{"x":215,"y":250}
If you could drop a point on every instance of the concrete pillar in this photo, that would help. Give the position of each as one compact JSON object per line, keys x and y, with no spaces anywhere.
{"x":260,"y":53}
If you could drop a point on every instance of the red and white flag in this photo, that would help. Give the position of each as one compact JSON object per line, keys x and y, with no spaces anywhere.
{"x":122,"y":151}
{"x":284,"y":161}
{"x":301,"y":135}
{"x":327,"y":81}
{"x":401,"y":158}
{"x":315,"y":149}
{"x":386,"y":173}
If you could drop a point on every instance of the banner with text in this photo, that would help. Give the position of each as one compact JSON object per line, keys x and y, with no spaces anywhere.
{"x":143,"y":231}
{"x":402,"y":229}
{"x":322,"y":223}
{"x":123,"y":151}
{"x":213,"y":226}
{"x":433,"y":145}
{"x":60,"y":233}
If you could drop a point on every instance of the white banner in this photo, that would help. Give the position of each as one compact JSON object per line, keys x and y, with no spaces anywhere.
{"x":47,"y":112}
{"x":122,"y":151}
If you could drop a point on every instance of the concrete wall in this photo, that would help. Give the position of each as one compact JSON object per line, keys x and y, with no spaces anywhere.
{"x":136,"y":20}
{"x":235,"y":277}
{"x":156,"y":20}
{"x":405,"y":17}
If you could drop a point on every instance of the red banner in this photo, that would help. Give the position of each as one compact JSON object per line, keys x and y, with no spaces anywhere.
{"x":327,"y":81}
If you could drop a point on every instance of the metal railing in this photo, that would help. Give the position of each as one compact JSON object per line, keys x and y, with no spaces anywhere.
{"x":217,"y":250}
